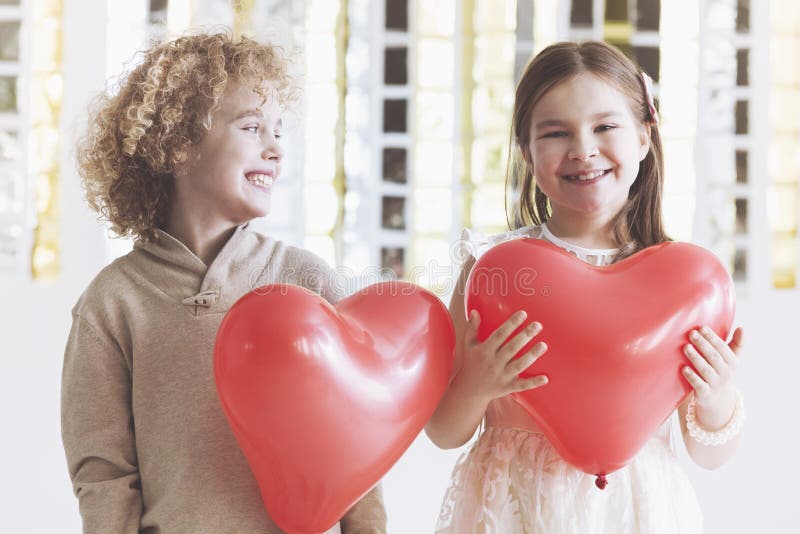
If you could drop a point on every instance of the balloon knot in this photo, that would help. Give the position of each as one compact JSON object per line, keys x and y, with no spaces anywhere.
{"x":601,"y":482}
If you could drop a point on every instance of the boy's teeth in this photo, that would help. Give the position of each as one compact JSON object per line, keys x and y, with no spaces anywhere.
{"x":260,"y":179}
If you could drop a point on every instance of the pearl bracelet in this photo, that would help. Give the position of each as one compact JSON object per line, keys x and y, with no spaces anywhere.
{"x":724,"y":434}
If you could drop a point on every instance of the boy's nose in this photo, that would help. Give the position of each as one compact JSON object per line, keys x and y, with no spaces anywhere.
{"x":272,"y":151}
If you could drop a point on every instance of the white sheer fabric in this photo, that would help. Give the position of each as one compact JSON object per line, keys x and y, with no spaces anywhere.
{"x":512,"y":480}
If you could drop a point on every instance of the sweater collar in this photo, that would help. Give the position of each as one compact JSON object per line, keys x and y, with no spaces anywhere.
{"x":173,"y":251}
{"x":180,"y":274}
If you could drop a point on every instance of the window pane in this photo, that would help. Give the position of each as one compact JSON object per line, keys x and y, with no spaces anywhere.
{"x":740,"y":265}
{"x":435,"y":63}
{"x":393,"y":258}
{"x":494,"y":58}
{"x":9,"y":146}
{"x":433,"y":163}
{"x":649,"y":58}
{"x":741,"y":215}
{"x":741,"y":116}
{"x":321,"y":208}
{"x":9,"y":41}
{"x":784,"y":260}
{"x":397,"y":15}
{"x":433,"y":210}
{"x":435,"y":18}
{"x":782,"y":208}
{"x":394,"y":116}
{"x":11,"y":187}
{"x":743,"y":16}
{"x":525,"y":19}
{"x":617,"y":10}
{"x":393,"y":213}
{"x":648,"y":15}
{"x":395,"y":66}
{"x":742,"y":67}
{"x":394,"y":165}
{"x":8,"y":94}
{"x":581,"y":13}
{"x":10,"y":247}
{"x":434,"y":115}
{"x":741,"y":166}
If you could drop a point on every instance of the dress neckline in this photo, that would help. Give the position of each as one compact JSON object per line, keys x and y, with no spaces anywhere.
{"x":547,"y":234}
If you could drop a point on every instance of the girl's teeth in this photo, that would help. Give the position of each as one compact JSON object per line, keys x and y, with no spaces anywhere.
{"x":584,"y":177}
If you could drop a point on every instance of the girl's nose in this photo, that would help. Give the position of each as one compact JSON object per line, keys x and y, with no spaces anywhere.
{"x":583,"y":149}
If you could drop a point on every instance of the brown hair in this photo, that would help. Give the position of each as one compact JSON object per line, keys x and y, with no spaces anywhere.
{"x":135,"y":138}
{"x":639,"y":223}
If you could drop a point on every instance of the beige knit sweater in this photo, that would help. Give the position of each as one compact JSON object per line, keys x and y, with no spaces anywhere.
{"x":147,"y":443}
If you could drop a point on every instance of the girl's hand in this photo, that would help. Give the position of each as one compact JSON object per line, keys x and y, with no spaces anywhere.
{"x":712,"y":378}
{"x":489,"y":370}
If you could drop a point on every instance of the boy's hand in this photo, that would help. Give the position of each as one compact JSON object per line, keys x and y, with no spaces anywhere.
{"x":489,"y":370}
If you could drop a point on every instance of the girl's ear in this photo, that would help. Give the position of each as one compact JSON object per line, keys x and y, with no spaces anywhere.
{"x":644,"y":142}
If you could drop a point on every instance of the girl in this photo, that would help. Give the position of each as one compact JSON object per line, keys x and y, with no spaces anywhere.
{"x":588,"y":178}
{"x":181,"y":158}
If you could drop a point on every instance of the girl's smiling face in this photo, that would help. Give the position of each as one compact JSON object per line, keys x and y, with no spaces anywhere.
{"x":585,"y":147}
{"x":228,"y":176}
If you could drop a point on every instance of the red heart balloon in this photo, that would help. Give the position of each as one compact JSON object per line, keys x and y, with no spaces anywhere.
{"x":615,"y":336}
{"x":323,"y":400}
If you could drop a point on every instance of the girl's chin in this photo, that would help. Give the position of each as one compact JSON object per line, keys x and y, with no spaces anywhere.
{"x":593,"y":209}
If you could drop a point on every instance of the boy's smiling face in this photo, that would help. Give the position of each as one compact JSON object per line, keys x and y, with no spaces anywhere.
{"x":227,"y":178}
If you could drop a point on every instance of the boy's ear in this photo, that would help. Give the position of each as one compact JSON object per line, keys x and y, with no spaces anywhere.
{"x":644,"y":142}
{"x":179,"y":163}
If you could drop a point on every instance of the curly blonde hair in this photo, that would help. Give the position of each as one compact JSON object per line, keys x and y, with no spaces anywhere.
{"x":135,"y":138}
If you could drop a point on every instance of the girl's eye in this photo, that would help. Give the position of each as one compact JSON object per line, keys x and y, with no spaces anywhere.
{"x":555,"y":134}
{"x":605,"y":127}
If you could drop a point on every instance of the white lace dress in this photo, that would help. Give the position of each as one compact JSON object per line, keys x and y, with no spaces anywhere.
{"x":512,"y":480}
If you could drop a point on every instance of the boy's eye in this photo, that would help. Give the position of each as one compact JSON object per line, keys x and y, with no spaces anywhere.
{"x":278,"y":135}
{"x":251,"y":129}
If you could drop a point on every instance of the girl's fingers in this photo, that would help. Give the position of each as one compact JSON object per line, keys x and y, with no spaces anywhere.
{"x":736,"y":341}
{"x":517,"y":366}
{"x":702,"y":367}
{"x":708,"y":350}
{"x":701,"y":388}
{"x":520,"y":340}
{"x":524,"y":384}
{"x":718,"y":343}
{"x":499,"y":336}
{"x":471,"y":332}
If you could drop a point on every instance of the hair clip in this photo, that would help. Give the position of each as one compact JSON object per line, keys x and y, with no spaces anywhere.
{"x":647,"y":82}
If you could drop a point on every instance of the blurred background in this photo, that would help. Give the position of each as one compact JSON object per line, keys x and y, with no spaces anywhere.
{"x":400,"y":142}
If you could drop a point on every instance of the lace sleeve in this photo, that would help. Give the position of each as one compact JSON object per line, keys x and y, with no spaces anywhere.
{"x":473,"y":243}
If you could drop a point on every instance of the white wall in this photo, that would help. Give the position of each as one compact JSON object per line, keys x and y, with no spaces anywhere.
{"x":35,"y":493}
{"x":757,"y":491}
